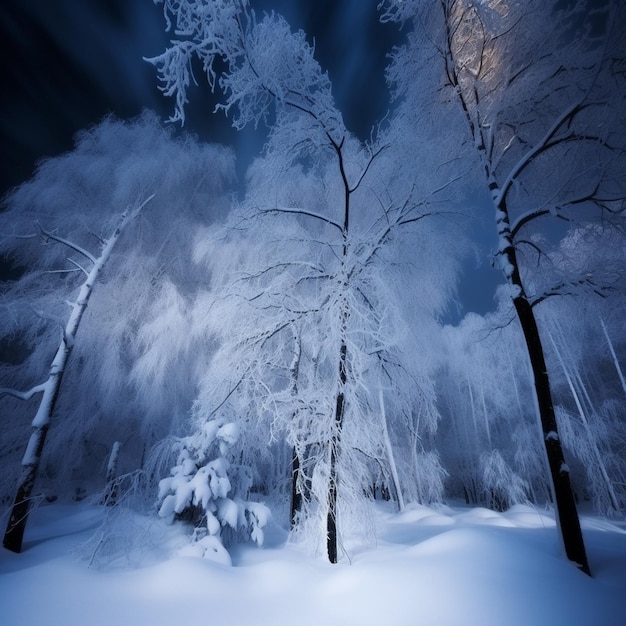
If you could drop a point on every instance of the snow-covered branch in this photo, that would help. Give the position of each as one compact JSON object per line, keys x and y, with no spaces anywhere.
{"x":297,"y":211}
{"x":526,"y":159}
{"x":22,"y":395}
{"x":51,"y":236}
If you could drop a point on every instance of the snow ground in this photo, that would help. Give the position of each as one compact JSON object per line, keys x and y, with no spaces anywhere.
{"x":450,"y":566}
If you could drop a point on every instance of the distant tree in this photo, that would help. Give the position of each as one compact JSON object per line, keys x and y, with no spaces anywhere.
{"x":583,"y":334}
{"x":485,"y":401}
{"x":541,"y":98}
{"x":270,"y":73}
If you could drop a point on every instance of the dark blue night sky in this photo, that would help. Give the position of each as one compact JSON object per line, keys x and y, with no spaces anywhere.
{"x":67,"y":64}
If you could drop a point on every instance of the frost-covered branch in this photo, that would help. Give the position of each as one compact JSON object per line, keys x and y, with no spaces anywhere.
{"x":526,"y":159}
{"x":566,"y":289}
{"x":22,"y":395}
{"x":51,"y":236}
{"x":297,"y":211}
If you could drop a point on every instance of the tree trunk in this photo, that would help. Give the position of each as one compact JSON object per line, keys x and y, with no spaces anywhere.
{"x":482,"y":134}
{"x":110,"y":496}
{"x":390,"y":456}
{"x":567,"y":515}
{"x":14,"y":535}
{"x":618,"y":367}
{"x":296,"y":494}
{"x":331,"y":519}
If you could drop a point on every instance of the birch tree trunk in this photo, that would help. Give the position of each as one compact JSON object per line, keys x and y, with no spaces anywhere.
{"x":110,"y":496}
{"x":389,"y":448}
{"x":590,"y":435}
{"x":14,"y":535}
{"x":618,"y":367}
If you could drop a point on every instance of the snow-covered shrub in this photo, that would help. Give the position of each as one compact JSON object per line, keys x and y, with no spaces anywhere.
{"x":504,"y":487}
{"x":199,"y":491}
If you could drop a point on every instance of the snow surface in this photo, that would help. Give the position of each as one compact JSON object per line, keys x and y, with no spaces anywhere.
{"x":436,"y":567}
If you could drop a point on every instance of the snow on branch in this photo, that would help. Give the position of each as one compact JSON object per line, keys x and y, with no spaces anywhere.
{"x":22,"y":395}
{"x":567,"y":289}
{"x":548,"y":141}
{"x":296,"y":211}
{"x":51,"y":236}
{"x":266,"y":64}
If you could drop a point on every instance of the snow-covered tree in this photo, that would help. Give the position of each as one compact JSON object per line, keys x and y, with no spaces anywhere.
{"x":541,"y":98}
{"x":113,"y":394}
{"x":485,"y":398}
{"x":90,"y":266}
{"x":331,"y":292}
{"x":200,"y":490}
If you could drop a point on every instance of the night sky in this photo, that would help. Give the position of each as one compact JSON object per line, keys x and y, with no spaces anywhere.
{"x":68,"y":63}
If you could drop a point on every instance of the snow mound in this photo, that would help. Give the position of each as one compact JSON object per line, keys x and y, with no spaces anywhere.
{"x":484,"y":517}
{"x":421,"y":514}
{"x":526,"y":516}
{"x":465,"y":571}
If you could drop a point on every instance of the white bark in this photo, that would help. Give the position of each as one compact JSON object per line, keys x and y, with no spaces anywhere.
{"x":51,"y":386}
{"x":590,"y":436}
{"x":389,"y":447}
{"x":113,"y":461}
{"x":14,"y":534}
{"x":615,"y":361}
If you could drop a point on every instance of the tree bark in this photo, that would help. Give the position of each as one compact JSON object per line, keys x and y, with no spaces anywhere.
{"x":110,"y":496}
{"x":331,"y":519}
{"x":567,"y":515}
{"x":390,"y":456}
{"x":296,"y":494}
{"x":14,"y":535}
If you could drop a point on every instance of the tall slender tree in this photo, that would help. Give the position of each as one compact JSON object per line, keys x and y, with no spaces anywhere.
{"x":541,"y":99}
{"x":49,"y":389}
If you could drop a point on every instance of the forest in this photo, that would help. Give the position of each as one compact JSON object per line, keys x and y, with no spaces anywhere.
{"x":226,"y":353}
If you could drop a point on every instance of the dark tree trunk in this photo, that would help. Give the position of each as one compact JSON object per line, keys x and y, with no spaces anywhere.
{"x":296,"y":494}
{"x":567,"y":515}
{"x":331,"y":520}
{"x":14,"y":535}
